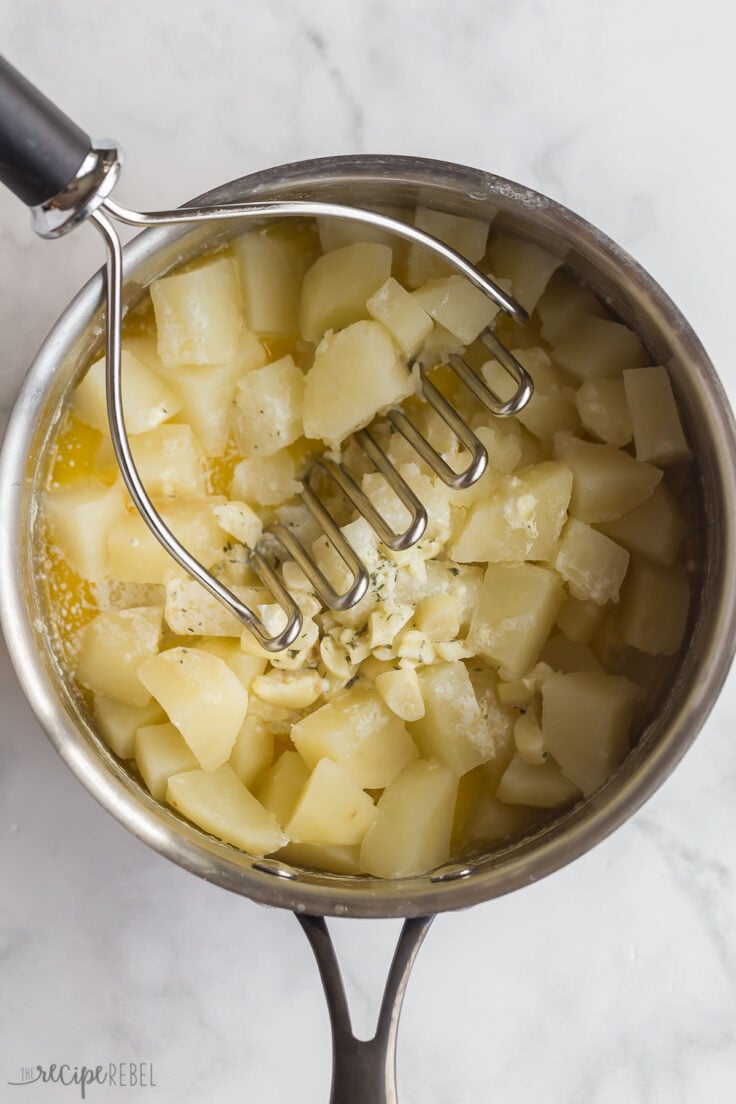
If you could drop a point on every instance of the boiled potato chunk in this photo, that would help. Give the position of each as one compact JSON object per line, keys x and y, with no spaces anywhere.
{"x":160,"y":752}
{"x":270,"y":401}
{"x":658,"y":433}
{"x":521,"y":520}
{"x":333,"y":858}
{"x":79,"y":521}
{"x":562,"y":654}
{"x":119,"y":722}
{"x":357,"y":730}
{"x":579,"y":619}
{"x":170,"y":462}
{"x":218,"y":802}
{"x":332,"y":808}
{"x":490,"y":822}
{"x":528,"y":267}
{"x":563,"y":305}
{"x":604,"y":411}
{"x":199,"y":316}
{"x":402,"y":316}
{"x":252,"y":751}
{"x":592,"y":565}
{"x":270,"y":277}
{"x":458,"y":305}
{"x":466,"y":235}
{"x":540,"y":784}
{"x":202,"y":697}
{"x":279,"y":788}
{"x":266,"y":480}
{"x":147,"y":401}
{"x":364,"y":355}
{"x":606,"y":481}
{"x":206,"y":394}
{"x":289,"y":689}
{"x":586,"y":718}
{"x":655,"y":529}
{"x":246,"y":667}
{"x":598,"y":348}
{"x":241,"y":521}
{"x":136,"y":555}
{"x":402,"y":693}
{"x":411,"y":832}
{"x":114,"y":645}
{"x":655,"y":607}
{"x":453,"y":729}
{"x":438,"y":616}
{"x":337,"y":286}
{"x":516,"y":610}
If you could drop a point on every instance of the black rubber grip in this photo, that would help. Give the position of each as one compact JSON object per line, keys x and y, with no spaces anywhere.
{"x":40,"y":148}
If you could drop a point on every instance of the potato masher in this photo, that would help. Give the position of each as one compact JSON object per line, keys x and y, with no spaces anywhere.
{"x":66,"y":178}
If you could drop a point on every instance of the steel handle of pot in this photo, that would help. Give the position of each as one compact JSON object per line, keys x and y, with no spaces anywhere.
{"x":364,"y":1071}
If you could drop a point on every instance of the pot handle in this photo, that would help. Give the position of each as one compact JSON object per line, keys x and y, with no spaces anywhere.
{"x":364,"y":1071}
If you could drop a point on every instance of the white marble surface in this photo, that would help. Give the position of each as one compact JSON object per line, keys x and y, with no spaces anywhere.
{"x":614,"y":982}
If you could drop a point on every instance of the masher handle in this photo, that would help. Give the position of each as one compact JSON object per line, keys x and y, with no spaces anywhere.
{"x":41,"y":149}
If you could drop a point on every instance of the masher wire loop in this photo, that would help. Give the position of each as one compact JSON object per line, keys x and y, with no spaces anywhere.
{"x":259,"y":560}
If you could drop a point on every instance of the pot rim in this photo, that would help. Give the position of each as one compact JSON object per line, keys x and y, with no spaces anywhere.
{"x":107,"y":781}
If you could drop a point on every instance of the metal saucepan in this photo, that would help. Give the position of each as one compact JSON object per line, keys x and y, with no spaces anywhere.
{"x":365,"y":1071}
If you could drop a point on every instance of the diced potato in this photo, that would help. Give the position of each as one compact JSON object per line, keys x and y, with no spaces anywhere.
{"x":336,"y":233}
{"x":597,"y":348}
{"x":568,"y":655}
{"x":365,"y":355}
{"x":586,"y":718}
{"x":604,"y":411}
{"x":240,"y":521}
{"x":453,"y":729}
{"x":337,"y":286}
{"x":267,"y":480}
{"x":119,"y":722}
{"x":289,"y":689}
{"x":498,"y":719}
{"x":463,"y":581}
{"x":199,"y":317}
{"x":467,"y":235}
{"x":402,"y":693}
{"x":491,"y":822}
{"x":564,"y":304}
{"x":136,"y":555}
{"x":529,"y":740}
{"x":592,"y":565}
{"x":332,"y":808}
{"x":438,"y":617}
{"x":521,"y":520}
{"x":658,"y":432}
{"x":79,"y":521}
{"x":192,"y":611}
{"x":147,"y":401}
{"x":357,"y":730}
{"x":206,"y":394}
{"x":202,"y":697}
{"x":252,"y":751}
{"x":579,"y":620}
{"x":411,"y":832}
{"x":551,"y":408}
{"x":218,"y":802}
{"x":160,"y":752}
{"x":458,"y":305}
{"x":270,"y":401}
{"x":280,"y":787}
{"x":270,"y":278}
{"x":543,"y":785}
{"x":402,"y":316}
{"x":655,"y":607}
{"x":114,"y":645}
{"x":335,"y":859}
{"x":528,"y":267}
{"x":606,"y":481}
{"x":170,"y":462}
{"x":502,"y":441}
{"x":515,"y":612}
{"x":246,"y":667}
{"x":655,"y":529}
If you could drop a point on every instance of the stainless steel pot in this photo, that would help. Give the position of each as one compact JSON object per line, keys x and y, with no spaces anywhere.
{"x":365,"y":1071}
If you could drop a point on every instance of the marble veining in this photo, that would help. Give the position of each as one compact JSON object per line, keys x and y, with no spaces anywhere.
{"x":613,"y":982}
